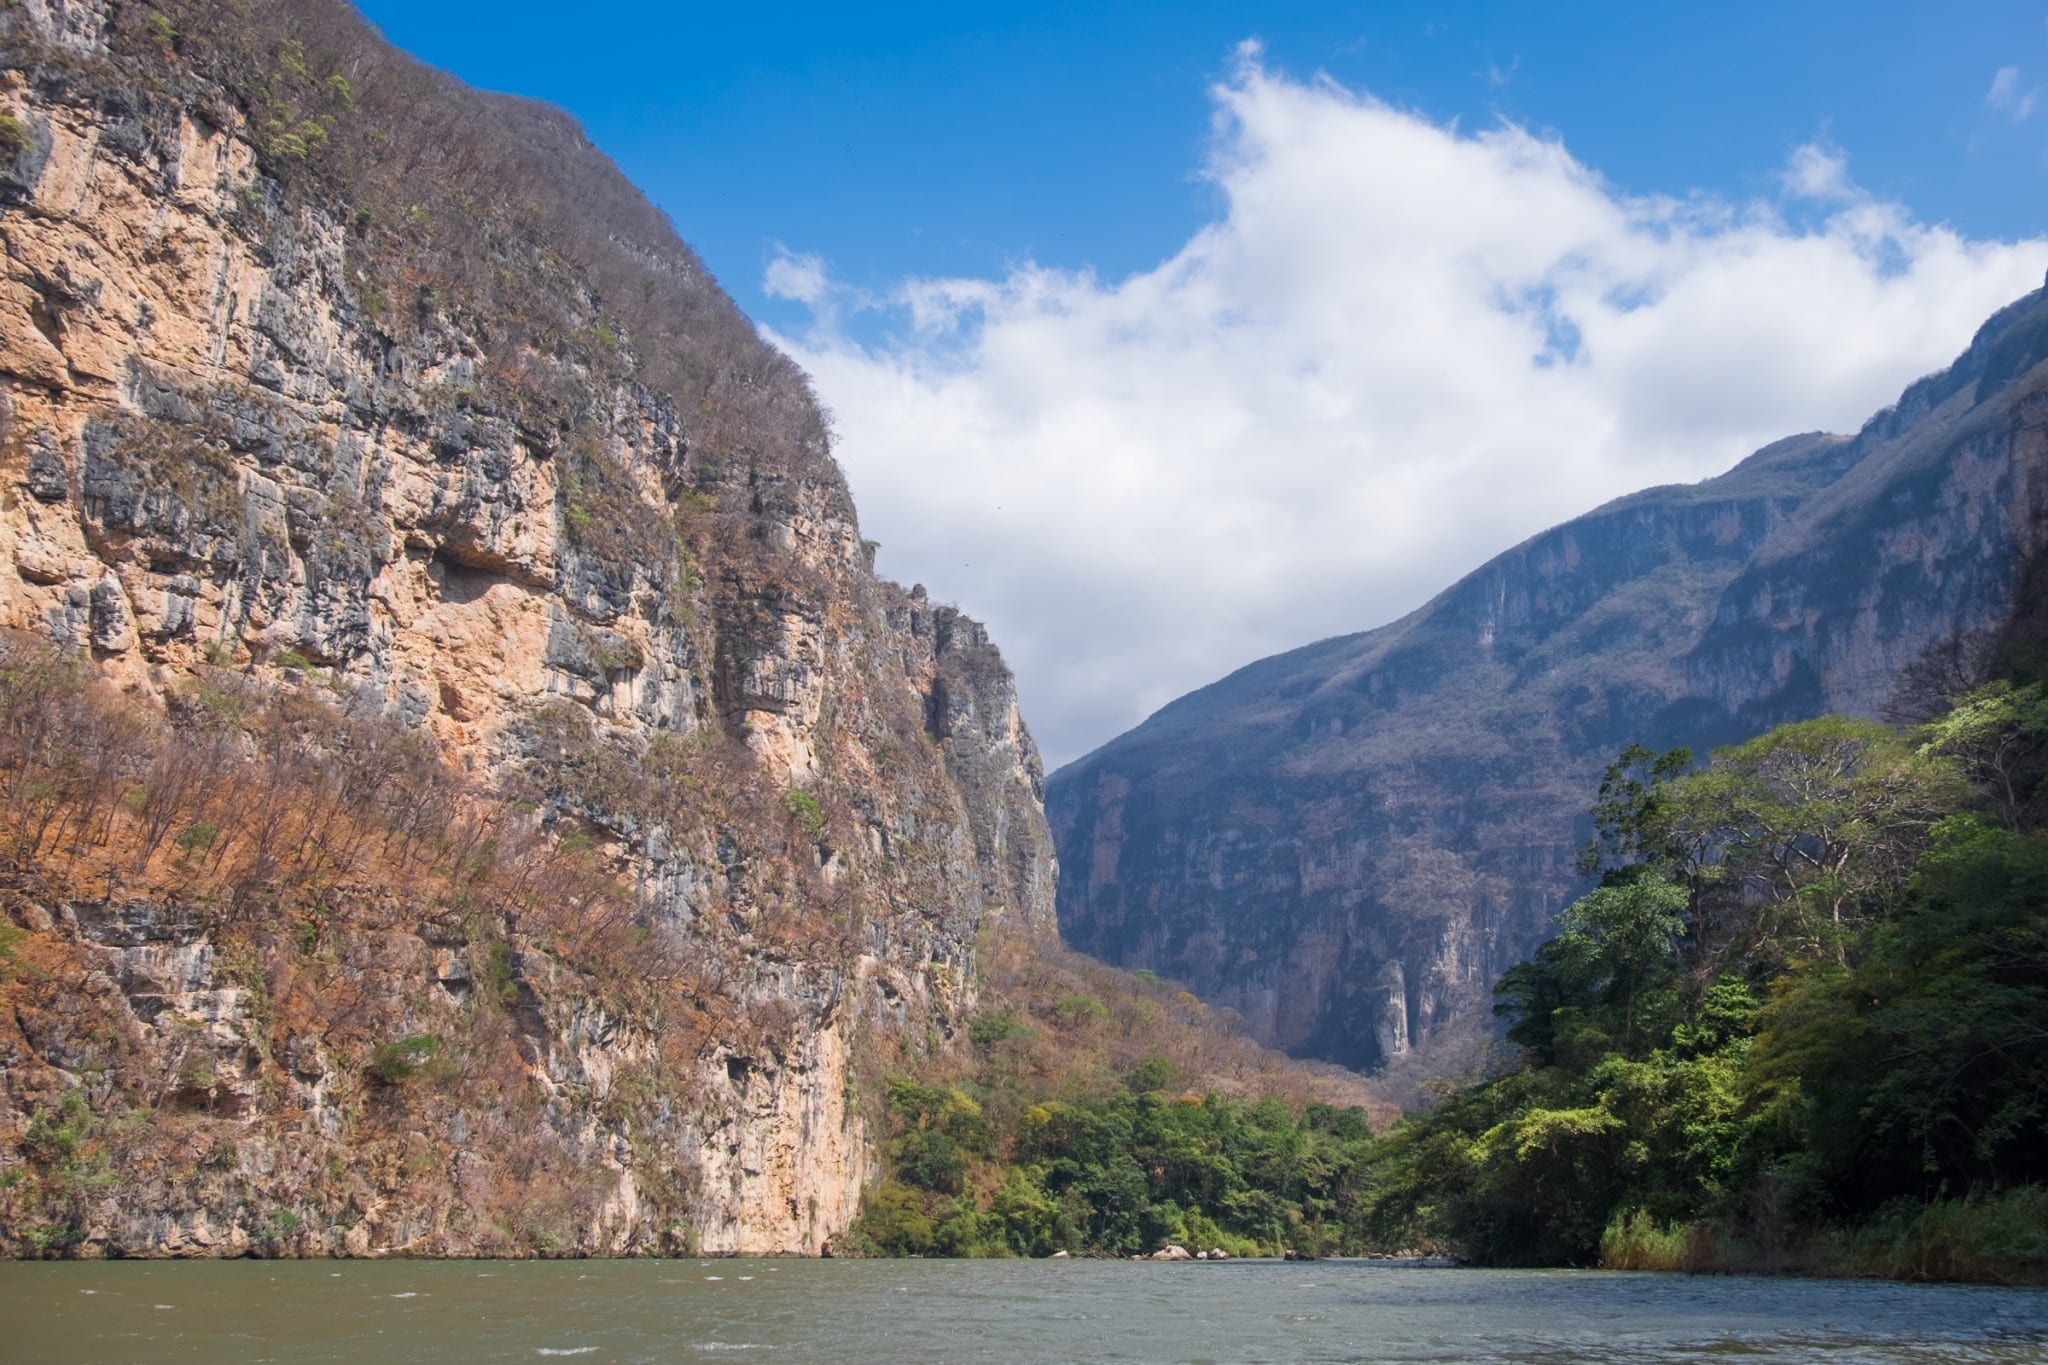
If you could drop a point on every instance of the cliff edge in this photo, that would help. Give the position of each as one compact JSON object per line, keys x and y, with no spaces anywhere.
{"x":346,"y":411}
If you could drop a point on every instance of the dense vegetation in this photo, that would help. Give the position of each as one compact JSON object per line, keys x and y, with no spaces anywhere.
{"x":1118,"y":1175}
{"x":1001,"y":1164}
{"x":1801,"y":1021}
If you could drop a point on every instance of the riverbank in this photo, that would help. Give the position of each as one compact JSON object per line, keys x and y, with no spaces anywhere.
{"x":1988,"y":1239}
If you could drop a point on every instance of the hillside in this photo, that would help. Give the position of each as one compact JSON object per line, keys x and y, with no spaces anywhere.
{"x":1797,"y":1027}
{"x":1350,"y":842}
{"x":466,"y":790}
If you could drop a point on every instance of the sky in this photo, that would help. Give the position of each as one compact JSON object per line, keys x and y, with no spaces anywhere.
{"x":1165,"y":337}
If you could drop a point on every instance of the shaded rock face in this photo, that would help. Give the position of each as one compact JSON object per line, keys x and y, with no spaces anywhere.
{"x":1350,"y":842}
{"x":479,"y":461}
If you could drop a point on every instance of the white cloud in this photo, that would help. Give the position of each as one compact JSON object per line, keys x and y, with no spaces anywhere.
{"x":801,"y":279}
{"x":1400,"y":349}
{"x":1818,"y":170}
{"x":2006,"y":96}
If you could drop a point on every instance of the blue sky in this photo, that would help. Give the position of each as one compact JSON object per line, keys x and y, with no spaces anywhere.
{"x":936,"y":139}
{"x":1161,"y":352}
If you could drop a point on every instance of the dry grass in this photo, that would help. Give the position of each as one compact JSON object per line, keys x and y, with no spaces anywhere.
{"x":1055,"y":1023}
{"x":329,"y":870}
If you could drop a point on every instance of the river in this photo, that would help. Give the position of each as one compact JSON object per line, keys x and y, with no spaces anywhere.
{"x":450,"y":1312}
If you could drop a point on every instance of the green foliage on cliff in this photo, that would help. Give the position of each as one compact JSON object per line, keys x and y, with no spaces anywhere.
{"x":1801,"y":1022}
{"x":64,"y":1167}
{"x":805,"y":810}
{"x":396,"y":1063}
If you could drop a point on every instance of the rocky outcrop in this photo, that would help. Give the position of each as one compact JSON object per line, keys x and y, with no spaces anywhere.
{"x":1350,"y":842}
{"x":319,"y":370}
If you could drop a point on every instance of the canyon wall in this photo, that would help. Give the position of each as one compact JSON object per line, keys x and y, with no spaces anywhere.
{"x":323,"y":375}
{"x":1350,"y":842}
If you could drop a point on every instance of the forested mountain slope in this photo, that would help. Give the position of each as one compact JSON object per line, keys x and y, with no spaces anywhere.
{"x":1800,"y":1024}
{"x":1349,"y":843}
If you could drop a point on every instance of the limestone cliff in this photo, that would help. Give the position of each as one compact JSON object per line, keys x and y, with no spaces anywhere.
{"x":1350,"y":842}
{"x":323,"y":376}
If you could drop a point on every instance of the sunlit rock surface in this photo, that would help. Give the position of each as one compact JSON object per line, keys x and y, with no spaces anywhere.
{"x":319,"y":369}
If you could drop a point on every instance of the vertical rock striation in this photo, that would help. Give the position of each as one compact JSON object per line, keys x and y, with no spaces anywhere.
{"x":315,"y":365}
{"x":1350,"y":842}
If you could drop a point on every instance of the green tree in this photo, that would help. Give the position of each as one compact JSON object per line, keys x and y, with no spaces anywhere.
{"x":1926,"y":1066}
{"x":1999,"y":732}
{"x":1634,"y":928}
{"x":1632,"y":830}
{"x":1812,"y":825}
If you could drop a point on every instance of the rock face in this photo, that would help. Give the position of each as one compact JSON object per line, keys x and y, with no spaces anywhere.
{"x":1350,"y":842}
{"x":315,"y":365}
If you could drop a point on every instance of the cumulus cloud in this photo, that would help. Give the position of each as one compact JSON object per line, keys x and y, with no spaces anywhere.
{"x":1397,"y":349}
{"x":2007,"y":98}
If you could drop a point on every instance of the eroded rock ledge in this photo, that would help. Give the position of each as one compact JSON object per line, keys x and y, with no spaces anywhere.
{"x":320,"y":372}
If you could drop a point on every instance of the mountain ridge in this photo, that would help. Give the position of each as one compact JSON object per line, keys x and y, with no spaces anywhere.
{"x":1421,"y":756}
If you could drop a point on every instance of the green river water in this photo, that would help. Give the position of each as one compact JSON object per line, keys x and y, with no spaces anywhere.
{"x":447,"y":1312}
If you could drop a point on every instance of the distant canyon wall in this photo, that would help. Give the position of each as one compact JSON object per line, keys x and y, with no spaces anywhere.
{"x":1349,"y":843}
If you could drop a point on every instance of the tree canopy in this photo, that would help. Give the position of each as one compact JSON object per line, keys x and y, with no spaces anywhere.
{"x":1801,"y":1019}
